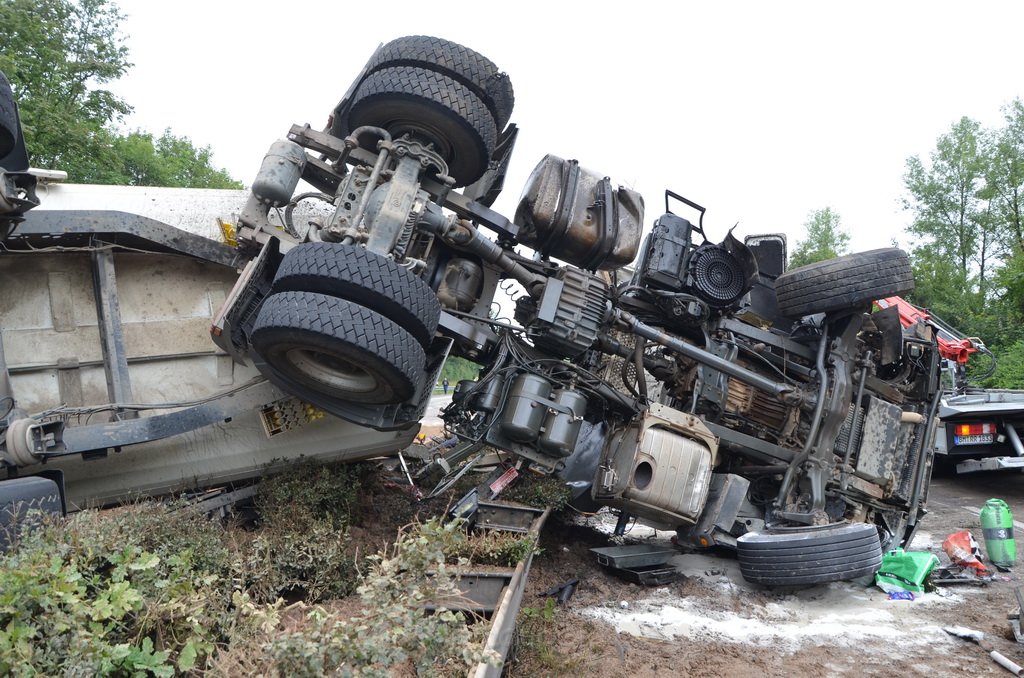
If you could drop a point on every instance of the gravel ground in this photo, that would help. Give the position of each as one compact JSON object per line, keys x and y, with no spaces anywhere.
{"x":711,"y":622}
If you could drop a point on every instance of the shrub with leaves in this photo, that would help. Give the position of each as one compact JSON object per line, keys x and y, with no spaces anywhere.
{"x":394,"y":629}
{"x":312,"y":563}
{"x":501,"y":549}
{"x":156,"y":590}
{"x":540,"y":492}
{"x":302,"y":550}
{"x":86,"y":597}
{"x":311,"y":490}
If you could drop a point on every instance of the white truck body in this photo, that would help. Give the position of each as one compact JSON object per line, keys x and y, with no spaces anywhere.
{"x":52,"y":347}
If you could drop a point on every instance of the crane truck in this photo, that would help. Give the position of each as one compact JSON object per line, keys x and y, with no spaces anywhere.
{"x":978,"y":427}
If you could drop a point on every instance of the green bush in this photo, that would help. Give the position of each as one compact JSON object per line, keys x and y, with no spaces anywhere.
{"x":313,"y":490}
{"x":393,"y":629}
{"x":312,"y":563}
{"x":539,"y":492}
{"x":302,"y":550}
{"x":87,"y":597}
{"x":500,"y":549}
{"x":158,"y":590}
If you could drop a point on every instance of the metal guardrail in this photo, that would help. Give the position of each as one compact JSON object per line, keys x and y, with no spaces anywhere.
{"x":503,"y":623}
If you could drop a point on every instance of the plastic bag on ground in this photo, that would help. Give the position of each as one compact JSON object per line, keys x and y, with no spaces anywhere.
{"x":905,"y":570}
{"x":963,"y":550}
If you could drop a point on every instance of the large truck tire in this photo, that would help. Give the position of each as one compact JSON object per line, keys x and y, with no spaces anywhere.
{"x":800,"y":556}
{"x":845,"y":282}
{"x":433,"y":107}
{"x":460,"y":63}
{"x":366,"y":278}
{"x":338,"y":348}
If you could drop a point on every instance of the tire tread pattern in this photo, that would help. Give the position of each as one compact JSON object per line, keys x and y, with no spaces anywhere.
{"x":346,"y":322}
{"x":368,"y":279}
{"x":468,"y":67}
{"x":811,"y":556}
{"x":844,"y":282}
{"x":434,"y":89}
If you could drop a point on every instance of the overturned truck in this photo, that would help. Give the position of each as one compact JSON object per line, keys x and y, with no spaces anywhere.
{"x":695,"y":385}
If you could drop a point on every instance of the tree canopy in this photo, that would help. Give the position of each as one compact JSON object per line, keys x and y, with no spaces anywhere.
{"x":59,"y":55}
{"x":966,"y":202}
{"x":168,"y":160}
{"x":826,"y":239}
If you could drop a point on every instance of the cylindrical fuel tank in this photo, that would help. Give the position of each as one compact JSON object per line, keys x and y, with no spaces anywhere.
{"x":576,"y":215}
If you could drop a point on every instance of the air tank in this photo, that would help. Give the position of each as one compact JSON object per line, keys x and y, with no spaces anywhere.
{"x":561,"y":429}
{"x":525,"y":408}
{"x":490,"y":396}
{"x":280,"y":173}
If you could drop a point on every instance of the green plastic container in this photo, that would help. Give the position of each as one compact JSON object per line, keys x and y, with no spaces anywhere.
{"x":997,"y":526}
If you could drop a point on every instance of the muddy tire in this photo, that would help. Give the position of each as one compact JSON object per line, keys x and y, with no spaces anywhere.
{"x":471,"y":69}
{"x":337,"y":348}
{"x":365,"y":278}
{"x":800,"y":556}
{"x":432,"y":107}
{"x":847,"y":282}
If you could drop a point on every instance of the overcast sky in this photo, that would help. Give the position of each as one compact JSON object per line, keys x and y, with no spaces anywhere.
{"x":760,"y":111}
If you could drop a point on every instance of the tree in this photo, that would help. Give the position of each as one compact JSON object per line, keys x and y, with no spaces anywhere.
{"x":58,"y":54}
{"x":967,"y":208}
{"x":951,"y":216}
{"x":456,"y":369}
{"x":1009,"y":371}
{"x":167,"y":161}
{"x":826,"y":239}
{"x":1005,"y":177}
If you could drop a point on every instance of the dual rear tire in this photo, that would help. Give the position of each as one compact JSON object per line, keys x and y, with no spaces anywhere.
{"x":346,"y":324}
{"x":438,"y":92}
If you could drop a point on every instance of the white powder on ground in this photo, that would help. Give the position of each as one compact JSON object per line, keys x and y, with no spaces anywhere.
{"x":839,"y":614}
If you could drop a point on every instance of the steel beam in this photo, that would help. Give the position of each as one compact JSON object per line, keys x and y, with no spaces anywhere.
{"x":108,"y":313}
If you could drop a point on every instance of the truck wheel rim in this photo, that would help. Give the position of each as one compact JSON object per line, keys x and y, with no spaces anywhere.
{"x":333,"y":370}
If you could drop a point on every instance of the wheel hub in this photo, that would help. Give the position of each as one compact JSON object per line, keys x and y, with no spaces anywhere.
{"x":334,"y":371}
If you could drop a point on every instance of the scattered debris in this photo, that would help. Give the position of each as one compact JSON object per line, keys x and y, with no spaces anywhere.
{"x":645,"y":564}
{"x":412,"y":486}
{"x":962,"y":549}
{"x":905,"y":571}
{"x":958,"y":574}
{"x":561,"y":593}
{"x":1014,"y":617}
{"x":636,"y":555}
{"x":979,"y":638}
